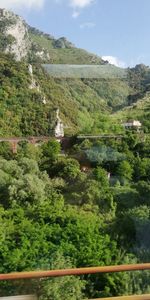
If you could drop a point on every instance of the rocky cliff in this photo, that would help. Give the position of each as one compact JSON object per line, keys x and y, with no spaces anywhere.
{"x":14,"y":29}
{"x":26,"y":42}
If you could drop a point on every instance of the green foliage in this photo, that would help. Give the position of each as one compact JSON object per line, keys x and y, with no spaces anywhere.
{"x":70,"y":170}
{"x":28,"y":150}
{"x":101,"y":176}
{"x":66,"y":288}
{"x":51,"y":150}
{"x":142,"y":169}
{"x":83,"y":104}
{"x":70,"y":218}
{"x":62,"y":211}
{"x":6,"y":41}
{"x":5,"y":150}
{"x":124,"y":170}
{"x":62,"y":51}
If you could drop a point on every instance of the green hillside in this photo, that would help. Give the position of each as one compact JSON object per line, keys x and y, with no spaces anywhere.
{"x":60,"y":51}
{"x":139,"y":110}
{"x":83,"y":107}
{"x":87,"y":105}
{"x":88,"y":205}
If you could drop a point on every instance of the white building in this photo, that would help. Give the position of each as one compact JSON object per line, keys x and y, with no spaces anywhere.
{"x":132,"y":124}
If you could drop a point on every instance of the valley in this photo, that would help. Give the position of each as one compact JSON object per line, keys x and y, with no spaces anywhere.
{"x":74,"y":167}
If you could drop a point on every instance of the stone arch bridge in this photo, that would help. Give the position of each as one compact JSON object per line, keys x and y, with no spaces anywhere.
{"x":14,"y":141}
{"x":65,"y":141}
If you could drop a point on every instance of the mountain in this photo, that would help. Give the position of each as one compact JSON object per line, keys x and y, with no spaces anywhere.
{"x":28,"y":43}
{"x":14,"y":37}
{"x":28,"y":99}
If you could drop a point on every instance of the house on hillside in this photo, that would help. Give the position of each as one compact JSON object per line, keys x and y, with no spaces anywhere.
{"x":132,"y":124}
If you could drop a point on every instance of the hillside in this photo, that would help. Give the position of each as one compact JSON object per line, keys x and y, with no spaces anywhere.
{"x":85,"y":206}
{"x":22,"y":108}
{"x":32,"y":45}
{"x":59,"y":50}
{"x":139,"y":110}
{"x":28,"y":101}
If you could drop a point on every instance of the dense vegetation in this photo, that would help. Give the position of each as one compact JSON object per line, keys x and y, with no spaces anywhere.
{"x":88,"y":206}
{"x":5,"y":40}
{"x":54,"y":215}
{"x":85,"y":105}
{"x":22,"y":107}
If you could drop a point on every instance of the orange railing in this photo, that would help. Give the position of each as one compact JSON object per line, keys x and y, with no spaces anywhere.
{"x":136,"y":297}
{"x":82,"y":271}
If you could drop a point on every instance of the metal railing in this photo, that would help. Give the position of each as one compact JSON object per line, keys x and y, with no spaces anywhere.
{"x":136,"y":297}
{"x":78,"y":271}
{"x":22,"y":297}
{"x":81,"y":271}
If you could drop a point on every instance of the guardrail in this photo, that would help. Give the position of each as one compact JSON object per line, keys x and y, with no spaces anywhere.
{"x":22,"y":297}
{"x":136,"y":297}
{"x":79,"y":271}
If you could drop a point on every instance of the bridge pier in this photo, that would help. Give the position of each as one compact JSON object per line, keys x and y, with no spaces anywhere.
{"x":14,"y":141}
{"x":32,"y":141}
{"x":14,"y":146}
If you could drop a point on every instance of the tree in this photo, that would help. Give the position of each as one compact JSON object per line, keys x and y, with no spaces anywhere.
{"x":50,"y":152}
{"x":124,"y":171}
{"x":30,"y":151}
{"x":101,"y":176}
{"x":5,"y":150}
{"x":70,"y":169}
{"x":65,"y":288}
{"x":22,"y":182}
{"x":142,"y":169}
{"x":143,"y":188}
{"x":51,"y":149}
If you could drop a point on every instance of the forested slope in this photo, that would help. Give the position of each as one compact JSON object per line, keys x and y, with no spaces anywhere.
{"x":55,"y":215}
{"x":83,"y":104}
{"x":89,"y":206}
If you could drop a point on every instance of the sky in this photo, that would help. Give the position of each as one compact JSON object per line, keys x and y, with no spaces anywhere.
{"x":117,"y":30}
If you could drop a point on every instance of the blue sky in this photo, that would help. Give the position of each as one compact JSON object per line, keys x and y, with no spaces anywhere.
{"x":119,"y":29}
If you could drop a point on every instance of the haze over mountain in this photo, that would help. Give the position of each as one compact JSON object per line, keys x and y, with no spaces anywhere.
{"x":86,"y":104}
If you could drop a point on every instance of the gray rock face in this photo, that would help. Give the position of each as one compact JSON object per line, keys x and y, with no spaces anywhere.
{"x":59,"y":127}
{"x":15,"y":27}
{"x":43,"y":54}
{"x":62,"y":43}
{"x":18,"y":38}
